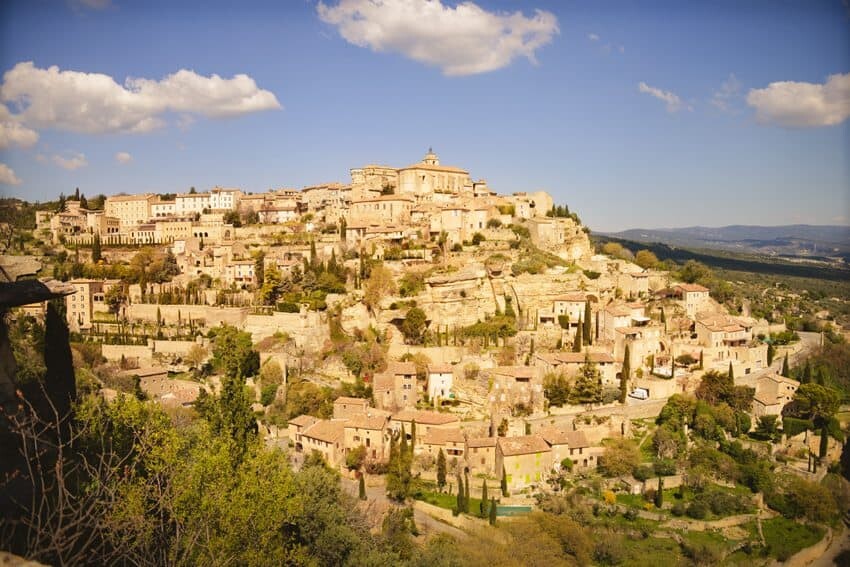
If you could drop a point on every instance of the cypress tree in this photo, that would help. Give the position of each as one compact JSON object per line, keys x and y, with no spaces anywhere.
{"x":731,"y":372}
{"x":625,"y":375}
{"x":484,"y":499}
{"x":659,"y":494}
{"x":577,"y":341}
{"x":806,"y":376}
{"x":504,"y":483}
{"x":441,"y":470}
{"x":786,"y":369}
{"x":701,"y":360}
{"x":460,"y":505}
{"x":771,"y":352}
{"x":95,"y":249}
{"x":587,"y":337}
{"x":466,"y":495}
{"x":59,"y":382}
{"x":493,"y":512}
{"x":362,"y":487}
{"x":824,"y":442}
{"x":412,"y":435}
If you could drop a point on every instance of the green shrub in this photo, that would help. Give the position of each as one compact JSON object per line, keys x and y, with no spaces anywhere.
{"x":793,"y":426}
{"x":697,"y":510}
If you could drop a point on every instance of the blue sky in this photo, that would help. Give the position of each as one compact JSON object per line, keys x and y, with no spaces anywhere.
{"x":650,"y":114}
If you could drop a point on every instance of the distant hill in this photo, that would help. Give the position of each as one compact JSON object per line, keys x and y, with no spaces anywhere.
{"x":792,"y":241}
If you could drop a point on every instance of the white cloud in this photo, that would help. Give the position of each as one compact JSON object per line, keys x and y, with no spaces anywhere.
{"x":94,"y":103}
{"x":72,"y":162}
{"x":123,"y":157}
{"x":803,"y":105}
{"x":7,"y":176}
{"x":729,"y":90}
{"x":460,"y":40}
{"x":592,"y":37}
{"x":13,"y":133}
{"x":674,"y":103}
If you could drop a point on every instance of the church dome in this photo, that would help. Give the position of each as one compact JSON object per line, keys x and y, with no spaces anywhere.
{"x":431,"y":158}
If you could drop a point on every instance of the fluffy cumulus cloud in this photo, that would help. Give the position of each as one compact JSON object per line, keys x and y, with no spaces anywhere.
{"x":803,"y":105}
{"x":7,"y":176}
{"x":123,"y":157}
{"x":13,"y":133}
{"x":71,"y":161}
{"x":672,"y":100}
{"x":460,"y":40}
{"x":94,"y":103}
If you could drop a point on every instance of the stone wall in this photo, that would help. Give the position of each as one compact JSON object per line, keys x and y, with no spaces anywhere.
{"x":308,"y":329}
{"x":144,"y":354}
{"x":212,"y":316}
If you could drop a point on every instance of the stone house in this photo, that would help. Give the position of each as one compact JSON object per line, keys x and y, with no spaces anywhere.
{"x":569,"y":364}
{"x":370,"y":431}
{"x":481,"y":455}
{"x":348,"y":408}
{"x":524,"y":460}
{"x":396,"y":387}
{"x":451,"y":441}
{"x":326,"y":437}
{"x":439,"y":387}
{"x":296,"y":427}
{"x":773,"y":392}
{"x":514,"y":385}
{"x":426,"y":421}
{"x":693,"y":297}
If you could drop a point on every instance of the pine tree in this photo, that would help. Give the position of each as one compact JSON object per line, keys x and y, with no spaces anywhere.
{"x":493,"y":512}
{"x":441,"y":470}
{"x":484,"y":500}
{"x":362,"y":487}
{"x":625,"y":375}
{"x":786,"y":369}
{"x":504,"y":483}
{"x":95,"y":249}
{"x":587,"y":336}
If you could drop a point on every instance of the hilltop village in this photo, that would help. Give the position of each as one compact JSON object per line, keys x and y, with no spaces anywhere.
{"x":417,"y":306}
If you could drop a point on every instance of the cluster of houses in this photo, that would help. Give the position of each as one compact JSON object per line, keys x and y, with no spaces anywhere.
{"x":524,"y":460}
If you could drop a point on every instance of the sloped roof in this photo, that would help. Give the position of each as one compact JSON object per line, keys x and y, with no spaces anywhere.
{"x":525,"y":445}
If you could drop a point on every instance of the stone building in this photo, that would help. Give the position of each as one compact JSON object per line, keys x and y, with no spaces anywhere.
{"x":523,"y":460}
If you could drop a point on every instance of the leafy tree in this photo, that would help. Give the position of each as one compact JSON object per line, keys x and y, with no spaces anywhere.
{"x":815,"y":402}
{"x":621,"y":457}
{"x":233,"y":352}
{"x":355,"y":458}
{"x":115,"y":298}
{"x":413,"y":326}
{"x":441,"y":470}
{"x":646,"y":259}
{"x":380,"y":284}
{"x":767,"y":426}
{"x":556,"y":388}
